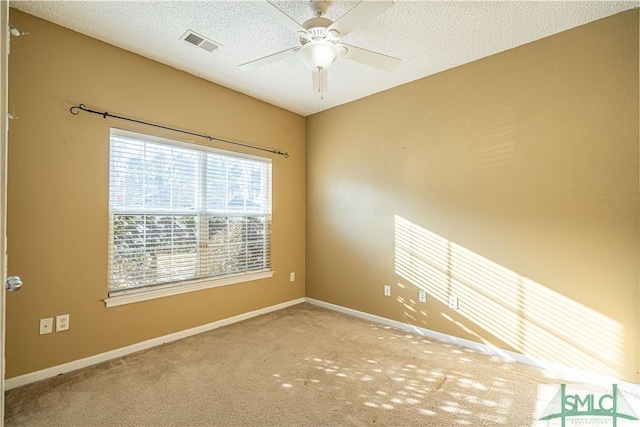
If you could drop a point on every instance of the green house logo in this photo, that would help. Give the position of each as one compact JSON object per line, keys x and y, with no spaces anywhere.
{"x":613,"y":406}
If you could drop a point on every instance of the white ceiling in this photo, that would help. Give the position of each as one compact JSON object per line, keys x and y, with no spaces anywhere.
{"x":429,"y":37}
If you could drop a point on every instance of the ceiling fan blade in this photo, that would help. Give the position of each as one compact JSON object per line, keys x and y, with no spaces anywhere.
{"x":320,"y":85}
{"x":359,"y":15}
{"x":256,"y":63}
{"x":277,"y":15}
{"x":373,"y":59}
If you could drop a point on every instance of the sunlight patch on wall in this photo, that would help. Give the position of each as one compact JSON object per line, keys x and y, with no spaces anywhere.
{"x":526,"y":315}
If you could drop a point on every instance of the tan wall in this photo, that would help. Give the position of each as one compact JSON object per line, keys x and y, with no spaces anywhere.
{"x":58,"y":200}
{"x":510,"y":182}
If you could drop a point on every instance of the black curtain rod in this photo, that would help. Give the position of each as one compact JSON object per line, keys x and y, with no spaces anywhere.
{"x":75,"y":110}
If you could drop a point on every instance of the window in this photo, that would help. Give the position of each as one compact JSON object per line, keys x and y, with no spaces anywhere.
{"x":180,"y":213}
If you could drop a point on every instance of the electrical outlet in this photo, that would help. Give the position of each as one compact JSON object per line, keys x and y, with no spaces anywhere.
{"x":46,"y":325}
{"x":62,"y":322}
{"x":387,"y":290}
{"x":292,"y":277}
{"x":453,"y":302}
{"x":422,"y":296}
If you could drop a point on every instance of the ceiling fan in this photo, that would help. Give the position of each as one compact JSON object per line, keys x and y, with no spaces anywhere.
{"x":320,"y":39}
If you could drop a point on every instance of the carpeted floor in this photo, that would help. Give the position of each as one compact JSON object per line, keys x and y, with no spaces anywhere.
{"x":301,"y":366}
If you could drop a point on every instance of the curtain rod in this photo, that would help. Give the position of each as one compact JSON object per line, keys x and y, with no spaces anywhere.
{"x":75,"y":110}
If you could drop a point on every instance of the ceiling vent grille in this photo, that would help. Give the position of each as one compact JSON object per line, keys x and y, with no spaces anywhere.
{"x":200,"y":41}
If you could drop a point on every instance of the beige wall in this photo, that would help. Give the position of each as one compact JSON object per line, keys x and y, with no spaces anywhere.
{"x":510,"y":182}
{"x":57,"y":195}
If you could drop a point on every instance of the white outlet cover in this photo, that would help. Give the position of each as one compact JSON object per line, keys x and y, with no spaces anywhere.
{"x":453,"y":302}
{"x":292,"y":277}
{"x":422,"y":296}
{"x":387,"y":290}
{"x":62,"y":322}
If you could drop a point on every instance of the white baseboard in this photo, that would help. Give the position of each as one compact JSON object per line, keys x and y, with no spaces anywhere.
{"x":553,"y":370}
{"x":564,"y":372}
{"x":113,"y":354}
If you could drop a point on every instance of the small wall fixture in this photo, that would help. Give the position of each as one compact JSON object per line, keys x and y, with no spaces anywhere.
{"x":17,"y":32}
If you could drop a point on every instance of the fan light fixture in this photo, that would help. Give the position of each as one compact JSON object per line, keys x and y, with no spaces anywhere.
{"x":318,"y":54}
{"x":320,"y":39}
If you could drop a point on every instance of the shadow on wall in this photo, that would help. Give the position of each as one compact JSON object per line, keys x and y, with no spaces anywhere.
{"x":526,"y":315}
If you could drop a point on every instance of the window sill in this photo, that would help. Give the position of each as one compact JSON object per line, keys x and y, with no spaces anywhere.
{"x":138,"y":295}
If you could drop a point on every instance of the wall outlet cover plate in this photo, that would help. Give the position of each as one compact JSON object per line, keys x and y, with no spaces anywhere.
{"x":453,"y":302}
{"x":422,"y":296}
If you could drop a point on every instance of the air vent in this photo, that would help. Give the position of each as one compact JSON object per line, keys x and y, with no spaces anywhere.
{"x":200,"y":41}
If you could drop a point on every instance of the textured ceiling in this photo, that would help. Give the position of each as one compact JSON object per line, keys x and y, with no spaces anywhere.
{"x":429,"y":37}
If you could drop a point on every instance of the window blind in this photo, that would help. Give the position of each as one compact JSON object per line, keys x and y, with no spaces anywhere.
{"x":180,"y":213}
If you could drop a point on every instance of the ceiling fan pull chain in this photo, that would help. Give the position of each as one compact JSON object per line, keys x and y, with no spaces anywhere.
{"x":322,"y":77}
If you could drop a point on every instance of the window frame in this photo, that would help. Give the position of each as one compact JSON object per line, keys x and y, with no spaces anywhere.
{"x":148,"y":292}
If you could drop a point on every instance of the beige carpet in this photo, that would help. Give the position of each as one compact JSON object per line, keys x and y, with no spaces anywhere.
{"x":301,"y":366}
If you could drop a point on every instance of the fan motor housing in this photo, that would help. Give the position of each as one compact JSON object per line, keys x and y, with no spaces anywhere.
{"x":316,"y":28}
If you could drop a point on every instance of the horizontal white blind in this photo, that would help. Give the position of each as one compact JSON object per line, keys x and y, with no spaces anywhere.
{"x":179,"y":213}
